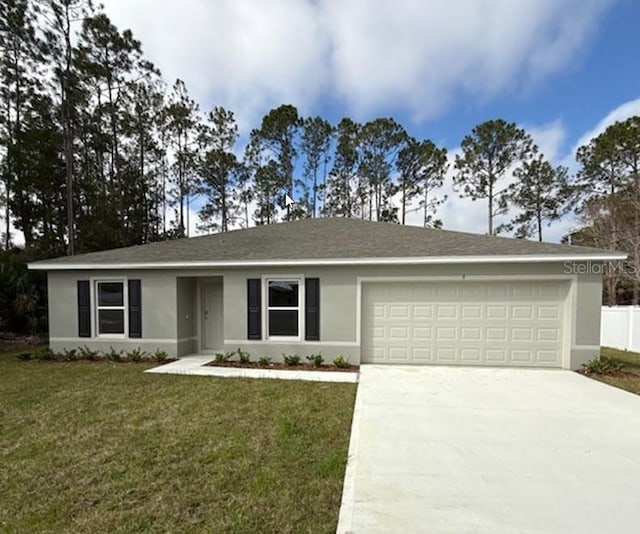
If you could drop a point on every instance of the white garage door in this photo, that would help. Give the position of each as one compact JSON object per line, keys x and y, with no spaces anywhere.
{"x":465,"y":323}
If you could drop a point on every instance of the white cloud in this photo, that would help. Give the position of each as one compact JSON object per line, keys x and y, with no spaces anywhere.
{"x":401,"y":55}
{"x":621,"y":113}
{"x":549,"y":138}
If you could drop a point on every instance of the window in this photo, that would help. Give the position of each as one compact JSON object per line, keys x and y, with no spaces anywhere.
{"x":283,"y":308}
{"x":110,"y":308}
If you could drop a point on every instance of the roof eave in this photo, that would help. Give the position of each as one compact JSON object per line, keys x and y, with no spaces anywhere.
{"x":424,"y":260}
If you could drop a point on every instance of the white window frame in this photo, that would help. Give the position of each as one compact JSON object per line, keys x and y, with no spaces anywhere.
{"x":300,"y":307}
{"x":96,"y":307}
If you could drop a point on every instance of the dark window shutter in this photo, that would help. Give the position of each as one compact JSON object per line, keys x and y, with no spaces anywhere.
{"x":254,"y":318}
{"x":84,"y":309}
{"x":135,"y":309}
{"x":312,"y":309}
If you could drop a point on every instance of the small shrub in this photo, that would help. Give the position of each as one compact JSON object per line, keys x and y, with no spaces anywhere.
{"x":137,"y":355}
{"x":291,"y":359}
{"x":47,"y":354}
{"x":160,"y":355}
{"x":220,"y":357}
{"x":87,"y":354}
{"x":315,"y":360}
{"x":25,"y":356}
{"x":70,"y":355}
{"x":114,"y":355}
{"x":264,"y":361}
{"x":341,"y":362}
{"x":602,"y":366}
{"x":243,"y":357}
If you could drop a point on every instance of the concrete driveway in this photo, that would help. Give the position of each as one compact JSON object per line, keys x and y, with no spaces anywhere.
{"x":465,"y":450}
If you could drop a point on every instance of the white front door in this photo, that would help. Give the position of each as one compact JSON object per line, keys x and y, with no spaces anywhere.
{"x":212,"y":316}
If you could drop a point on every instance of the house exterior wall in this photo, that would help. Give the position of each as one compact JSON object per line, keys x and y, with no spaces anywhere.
{"x":170,"y":309}
{"x":186,"y":315}
{"x":159,"y":311}
{"x":339,"y":304}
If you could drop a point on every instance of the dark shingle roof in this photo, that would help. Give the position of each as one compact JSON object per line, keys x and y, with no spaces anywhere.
{"x":322,"y":239}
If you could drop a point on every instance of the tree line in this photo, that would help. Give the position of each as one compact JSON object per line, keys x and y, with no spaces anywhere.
{"x":97,"y":151}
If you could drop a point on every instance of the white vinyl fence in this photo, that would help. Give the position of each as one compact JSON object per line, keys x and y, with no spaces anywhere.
{"x":620,"y":327}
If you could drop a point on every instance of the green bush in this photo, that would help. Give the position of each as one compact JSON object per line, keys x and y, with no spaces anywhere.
{"x":291,"y":359}
{"x":341,"y":362}
{"x":47,"y":355}
{"x":25,"y":356}
{"x":70,"y":355}
{"x":602,"y":366}
{"x":315,"y":360}
{"x":222,"y":357}
{"x":160,"y":355}
{"x":87,"y":354}
{"x":114,"y":355}
{"x":264,"y":361}
{"x":243,"y":357}
{"x":137,"y":355}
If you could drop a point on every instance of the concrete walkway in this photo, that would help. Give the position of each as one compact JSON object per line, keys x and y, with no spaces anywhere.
{"x":465,"y":450}
{"x":197,"y":365}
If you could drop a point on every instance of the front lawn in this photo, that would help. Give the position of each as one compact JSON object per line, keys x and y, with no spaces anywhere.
{"x":103,"y":447}
{"x":629,"y":377}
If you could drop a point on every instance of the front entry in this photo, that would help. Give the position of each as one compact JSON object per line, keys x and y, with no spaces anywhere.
{"x":212,"y":316}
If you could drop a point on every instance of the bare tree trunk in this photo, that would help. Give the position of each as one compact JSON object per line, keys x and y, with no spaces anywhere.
{"x":66,"y":131}
{"x":404,"y":199}
{"x":490,"y":218}
{"x":539,"y":221}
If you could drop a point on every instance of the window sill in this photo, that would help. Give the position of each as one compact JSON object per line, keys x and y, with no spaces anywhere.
{"x":278,"y":339}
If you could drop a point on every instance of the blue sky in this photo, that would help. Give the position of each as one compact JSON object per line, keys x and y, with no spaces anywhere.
{"x":563,"y":69}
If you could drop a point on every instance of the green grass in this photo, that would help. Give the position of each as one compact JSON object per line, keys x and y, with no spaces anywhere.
{"x":628,"y":358}
{"x":629,"y":378}
{"x":103,"y":447}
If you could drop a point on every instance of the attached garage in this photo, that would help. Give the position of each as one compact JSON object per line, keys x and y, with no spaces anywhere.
{"x":508,"y":323}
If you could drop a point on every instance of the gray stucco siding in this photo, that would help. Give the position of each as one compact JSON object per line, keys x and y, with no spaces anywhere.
{"x":337,"y":298}
{"x":170,"y":305}
{"x":159,"y":311}
{"x":339,"y":303}
{"x":186,"y":314}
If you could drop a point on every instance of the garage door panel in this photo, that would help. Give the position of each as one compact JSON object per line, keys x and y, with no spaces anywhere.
{"x":496,"y":355}
{"x":524,"y":335}
{"x":475,"y":323}
{"x":548,"y":312}
{"x":399,"y":333}
{"x":470,"y":333}
{"x":421,"y":354}
{"x":398,"y":311}
{"x":398,"y":354}
{"x":422,"y":333}
{"x":522,"y":356}
{"x":446,"y":333}
{"x":445,"y":354}
{"x":423,"y":311}
{"x":522,"y":312}
{"x":471,"y":311}
{"x":548,"y":334}
{"x":446,"y":311}
{"x":497,"y":311}
{"x":470,"y":355}
{"x":498,"y":333}
{"x":545,"y":356}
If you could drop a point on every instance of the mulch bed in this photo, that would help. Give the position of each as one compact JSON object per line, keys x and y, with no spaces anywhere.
{"x":285,"y":367}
